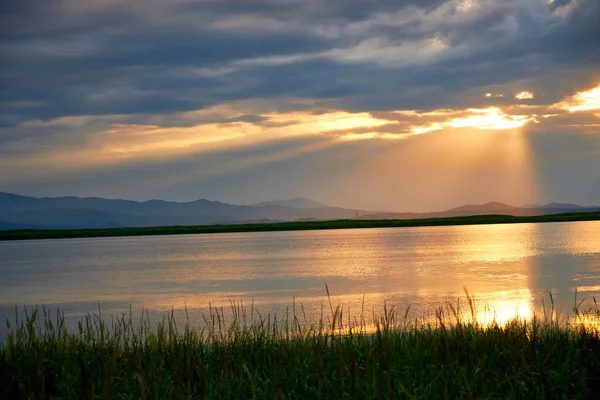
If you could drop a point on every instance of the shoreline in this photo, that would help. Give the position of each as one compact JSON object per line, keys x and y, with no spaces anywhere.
{"x":37,"y":234}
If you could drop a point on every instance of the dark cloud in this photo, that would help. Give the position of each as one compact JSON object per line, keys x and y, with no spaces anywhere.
{"x":557,"y":4}
{"x":107,"y":57}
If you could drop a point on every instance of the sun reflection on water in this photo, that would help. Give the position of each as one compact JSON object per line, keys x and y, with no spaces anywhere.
{"x":501,"y":310}
{"x":507,"y":268}
{"x":498,"y":265}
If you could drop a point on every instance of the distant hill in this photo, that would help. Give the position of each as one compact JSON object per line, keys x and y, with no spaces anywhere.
{"x":92,"y":212}
{"x":5,"y":226}
{"x":487,"y":209}
{"x":296,"y":202}
{"x":23,"y":212}
{"x":563,"y":206}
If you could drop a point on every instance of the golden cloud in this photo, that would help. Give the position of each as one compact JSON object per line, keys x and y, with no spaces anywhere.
{"x":491,"y":118}
{"x":115,"y":139}
{"x":524,"y":96}
{"x":583,"y":101}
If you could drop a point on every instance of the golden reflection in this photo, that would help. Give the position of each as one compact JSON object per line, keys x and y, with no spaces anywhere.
{"x":423,"y":268}
{"x":500,"y":243}
{"x":592,"y":288}
{"x":579,"y":237}
{"x":590,"y":321}
{"x":506,"y":307}
{"x":492,"y":263}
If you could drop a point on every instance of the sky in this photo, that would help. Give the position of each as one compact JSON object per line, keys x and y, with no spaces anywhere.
{"x":399,"y":105}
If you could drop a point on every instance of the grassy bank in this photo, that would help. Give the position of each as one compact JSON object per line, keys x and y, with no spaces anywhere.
{"x":386,"y":357}
{"x":26,"y":234}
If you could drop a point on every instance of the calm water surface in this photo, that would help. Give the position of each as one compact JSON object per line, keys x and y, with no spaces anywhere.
{"x":508,"y":267}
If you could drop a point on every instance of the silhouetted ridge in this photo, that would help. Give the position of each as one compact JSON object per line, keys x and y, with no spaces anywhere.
{"x":94,"y":212}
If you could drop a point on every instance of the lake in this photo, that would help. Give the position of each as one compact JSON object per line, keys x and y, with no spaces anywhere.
{"x":510,"y":268}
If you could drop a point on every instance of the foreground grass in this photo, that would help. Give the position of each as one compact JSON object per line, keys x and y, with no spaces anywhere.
{"x":26,"y":234}
{"x":265,"y":359}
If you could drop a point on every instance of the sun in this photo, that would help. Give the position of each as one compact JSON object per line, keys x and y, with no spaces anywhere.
{"x":491,"y":118}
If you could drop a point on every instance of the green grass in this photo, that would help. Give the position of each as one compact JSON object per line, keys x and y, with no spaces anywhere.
{"x":26,"y":234}
{"x":388,"y":356}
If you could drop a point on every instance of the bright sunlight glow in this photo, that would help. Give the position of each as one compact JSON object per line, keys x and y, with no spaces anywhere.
{"x":487,"y":118}
{"x":582,"y":101}
{"x":524,"y":95}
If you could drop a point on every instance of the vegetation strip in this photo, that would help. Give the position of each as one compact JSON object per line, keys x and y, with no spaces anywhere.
{"x":266,"y":359}
{"x":27,"y":234}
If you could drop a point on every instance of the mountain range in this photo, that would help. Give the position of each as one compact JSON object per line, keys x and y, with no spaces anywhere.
{"x":23,"y":212}
{"x":489,"y":208}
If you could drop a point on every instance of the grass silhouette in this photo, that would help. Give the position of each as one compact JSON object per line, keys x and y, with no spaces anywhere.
{"x":266,"y":357}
